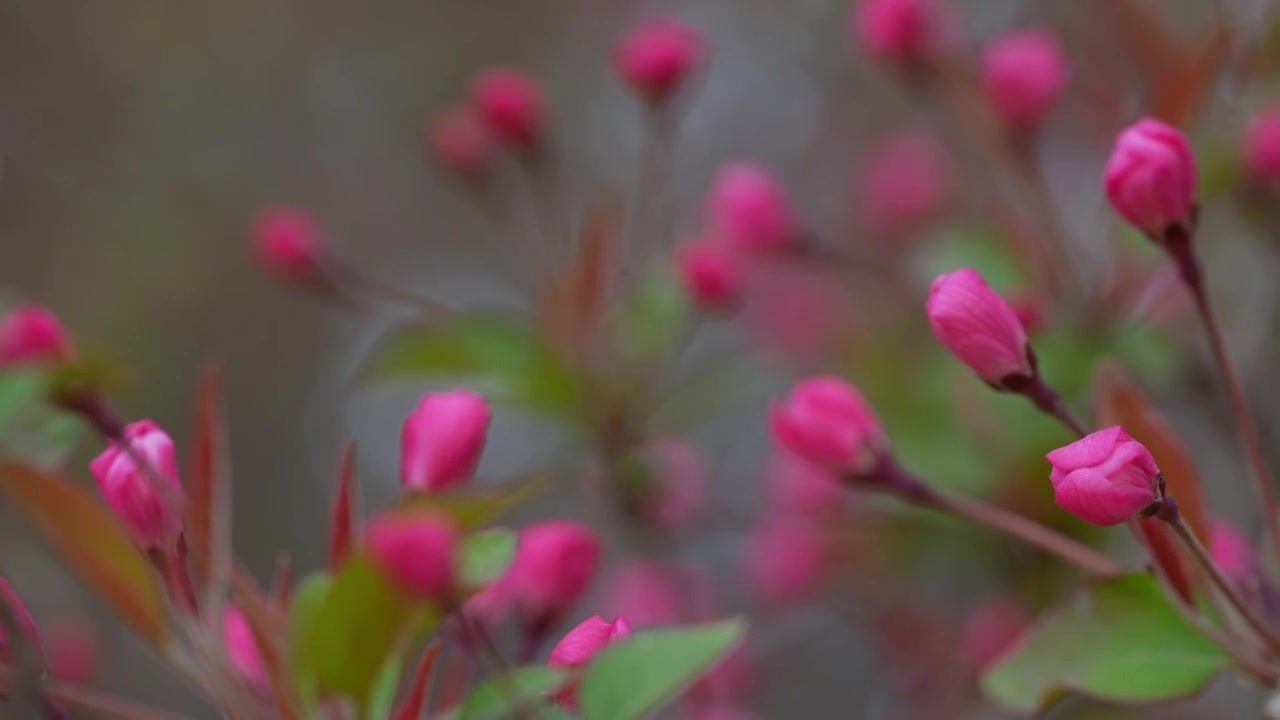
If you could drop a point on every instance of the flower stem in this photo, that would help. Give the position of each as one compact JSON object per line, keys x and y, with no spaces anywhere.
{"x":1050,"y":403}
{"x":94,"y":700}
{"x":496,"y":665}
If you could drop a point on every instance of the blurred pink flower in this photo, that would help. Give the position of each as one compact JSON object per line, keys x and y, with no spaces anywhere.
{"x":460,"y":141}
{"x":30,"y":334}
{"x":1151,"y":177}
{"x":749,"y":209}
{"x":287,"y":243}
{"x":1233,"y":552}
{"x":647,"y":593}
{"x":825,"y":421}
{"x":1261,"y":151}
{"x":73,"y":649}
{"x":580,"y":645}
{"x":786,"y":560}
{"x":416,"y":551}
{"x":795,"y":485}
{"x":795,"y":311}
{"x":978,"y":327}
{"x":242,"y":649}
{"x":1104,"y":478}
{"x":1023,"y":74}
{"x":130,"y":491}
{"x":678,"y":481}
{"x":511,"y":102}
{"x":901,"y":31}
{"x":656,"y":58}
{"x":712,"y":274}
{"x":904,"y":183}
{"x":443,"y":439}
{"x":554,"y":565}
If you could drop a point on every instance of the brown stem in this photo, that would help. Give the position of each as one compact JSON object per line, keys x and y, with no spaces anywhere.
{"x":1048,"y":401}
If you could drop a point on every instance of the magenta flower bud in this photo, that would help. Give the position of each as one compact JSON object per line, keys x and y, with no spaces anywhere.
{"x":150,"y":513}
{"x":749,"y":209}
{"x":417,"y":552}
{"x":900,"y":31}
{"x":510,"y":101}
{"x":1151,"y":177}
{"x":287,"y":243}
{"x":904,"y":183}
{"x":1104,"y":478}
{"x":582,"y":644}
{"x":712,"y":274}
{"x":22,"y":618}
{"x":242,"y":649}
{"x":978,"y":327}
{"x":1232,"y":552}
{"x":1023,"y":73}
{"x":443,"y":439}
{"x":825,"y":421}
{"x":32,"y":335}
{"x":786,"y":559}
{"x":1261,"y":152}
{"x":655,"y":58}
{"x":460,"y":141}
{"x":554,"y":565}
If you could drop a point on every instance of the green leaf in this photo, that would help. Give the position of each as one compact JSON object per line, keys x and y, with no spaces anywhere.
{"x":486,"y":556}
{"x":383,"y":697}
{"x":1121,"y":641}
{"x":635,"y":677}
{"x":654,"y":317}
{"x":472,"y":508}
{"x":501,"y":355}
{"x":304,"y":609}
{"x":490,"y":699}
{"x":19,"y":390}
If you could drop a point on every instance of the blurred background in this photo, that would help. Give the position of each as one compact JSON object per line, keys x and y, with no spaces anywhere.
{"x":139,"y":141}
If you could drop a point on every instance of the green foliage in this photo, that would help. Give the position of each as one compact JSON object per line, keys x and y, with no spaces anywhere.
{"x":30,"y":429}
{"x":492,"y":699}
{"x":1121,"y":641}
{"x":654,"y":317}
{"x":637,"y":676}
{"x":304,"y":610}
{"x":486,"y":556}
{"x":503,"y":356}
{"x":471,"y":508}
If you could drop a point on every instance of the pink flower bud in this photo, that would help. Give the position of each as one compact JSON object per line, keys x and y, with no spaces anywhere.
{"x":904,"y":183}
{"x":554,"y":565}
{"x":677,"y":485}
{"x":242,"y":648}
{"x":1262,"y":146}
{"x":1104,"y":478}
{"x":150,"y":513}
{"x":712,"y":274}
{"x":12,"y":605}
{"x":287,"y":243}
{"x":786,"y":559}
{"x":29,"y":334}
{"x":416,"y":551}
{"x":1151,"y":177}
{"x":510,"y":101}
{"x":647,"y":594}
{"x":73,"y":649}
{"x":749,"y":209}
{"x":443,"y":439}
{"x":1023,"y":73}
{"x":826,"y":422}
{"x":656,"y":58}
{"x":900,"y":31}
{"x":1232,"y":552}
{"x":461,"y":142}
{"x":978,"y":327}
{"x":582,"y":644}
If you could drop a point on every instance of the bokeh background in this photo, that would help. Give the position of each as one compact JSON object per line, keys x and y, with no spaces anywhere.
{"x":139,"y":139}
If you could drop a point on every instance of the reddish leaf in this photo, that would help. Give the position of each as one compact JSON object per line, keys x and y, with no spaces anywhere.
{"x":94,"y":543}
{"x":452,"y":687}
{"x":270,"y":632}
{"x":571,"y":308}
{"x":345,"y":522}
{"x":208,"y":522}
{"x":282,"y":582}
{"x":1167,"y":553}
{"x":1183,"y":89}
{"x":416,"y":699}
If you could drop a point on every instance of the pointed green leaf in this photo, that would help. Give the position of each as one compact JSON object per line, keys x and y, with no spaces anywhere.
{"x":486,"y":556}
{"x":491,"y":700}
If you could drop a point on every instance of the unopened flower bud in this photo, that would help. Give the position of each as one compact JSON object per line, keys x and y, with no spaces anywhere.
{"x":146,"y":499}
{"x":1261,"y":152}
{"x":580,"y":645}
{"x":749,"y":210}
{"x":242,"y":648}
{"x":1151,"y":178}
{"x":443,"y":439}
{"x":417,"y":552}
{"x":32,"y":335}
{"x":510,"y":101}
{"x":825,"y":421}
{"x":287,"y":243}
{"x":712,"y":274}
{"x":461,"y":142}
{"x":1023,"y":74}
{"x":656,"y":58}
{"x":900,"y":31}
{"x":554,"y":565}
{"x":1104,"y":478}
{"x":979,"y":327}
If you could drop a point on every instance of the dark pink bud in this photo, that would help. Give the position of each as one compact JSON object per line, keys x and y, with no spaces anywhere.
{"x":29,"y":334}
{"x":656,"y":58}
{"x":978,"y":326}
{"x":582,"y":644}
{"x":1104,"y":478}
{"x":554,"y":565}
{"x":786,"y":559}
{"x":825,"y":421}
{"x":1261,"y":151}
{"x":22,"y":617}
{"x":1023,"y":73}
{"x":443,"y":439}
{"x":242,"y":648}
{"x":461,"y":141}
{"x":150,"y":513}
{"x":900,"y":31}
{"x":510,"y":101}
{"x":287,"y":243}
{"x":749,"y":209}
{"x":417,"y":552}
{"x":904,"y":183}
{"x":712,"y":274}
{"x":1151,"y":177}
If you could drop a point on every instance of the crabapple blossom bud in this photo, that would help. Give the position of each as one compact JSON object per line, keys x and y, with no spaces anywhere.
{"x":416,"y":551}
{"x":978,"y":327}
{"x":904,"y":183}
{"x":442,"y":440}
{"x":30,"y":334}
{"x":786,"y":559}
{"x":712,"y":273}
{"x":287,"y":243}
{"x":1262,"y":146}
{"x":242,"y":648}
{"x":657,"y":57}
{"x":554,"y":565}
{"x":580,"y":645}
{"x":825,"y":421}
{"x":749,"y":209}
{"x":1232,"y":552}
{"x":1023,"y":73}
{"x":460,"y":141}
{"x":899,"y":31}
{"x":1104,"y":478}
{"x":1151,"y":178}
{"x":12,"y":607}
{"x":150,"y":512}
{"x":510,"y":101}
